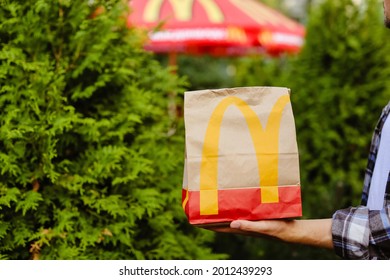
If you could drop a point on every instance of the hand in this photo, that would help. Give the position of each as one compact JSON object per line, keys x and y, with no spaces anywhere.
{"x":309,"y":232}
{"x":264,"y":228}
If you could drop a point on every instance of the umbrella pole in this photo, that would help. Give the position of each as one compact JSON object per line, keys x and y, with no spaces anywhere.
{"x":172,"y":61}
{"x":172,"y":108}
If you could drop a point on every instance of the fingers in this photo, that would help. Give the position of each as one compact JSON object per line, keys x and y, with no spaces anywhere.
{"x":269,"y":228}
{"x":264,"y":228}
{"x":236,"y":224}
{"x":236,"y":231}
{"x":229,"y":229}
{"x":248,"y":226}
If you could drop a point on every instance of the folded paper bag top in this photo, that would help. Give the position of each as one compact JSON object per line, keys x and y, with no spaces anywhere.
{"x":241,"y":156}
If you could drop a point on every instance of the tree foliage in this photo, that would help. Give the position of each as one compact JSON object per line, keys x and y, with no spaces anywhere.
{"x":89,"y":155}
{"x":91,"y":161}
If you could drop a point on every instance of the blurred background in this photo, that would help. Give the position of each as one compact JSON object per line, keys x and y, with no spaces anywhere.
{"x":92,"y":133}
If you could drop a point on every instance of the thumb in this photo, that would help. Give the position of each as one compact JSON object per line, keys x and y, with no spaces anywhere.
{"x":263,"y":227}
{"x":246,"y":225}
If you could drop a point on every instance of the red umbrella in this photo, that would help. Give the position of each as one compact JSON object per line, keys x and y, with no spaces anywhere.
{"x":216,"y":27}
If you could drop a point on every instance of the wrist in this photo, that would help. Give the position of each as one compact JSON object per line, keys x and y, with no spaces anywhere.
{"x":308,"y":232}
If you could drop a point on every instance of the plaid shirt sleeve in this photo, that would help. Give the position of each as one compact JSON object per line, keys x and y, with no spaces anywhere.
{"x":360,"y":233}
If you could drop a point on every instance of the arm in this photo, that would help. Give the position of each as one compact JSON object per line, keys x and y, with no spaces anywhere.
{"x":354,"y":233}
{"x":360,"y":233}
{"x":309,"y":232}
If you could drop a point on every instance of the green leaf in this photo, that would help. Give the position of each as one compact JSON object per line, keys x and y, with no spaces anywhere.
{"x":30,"y":201}
{"x":8,"y":195}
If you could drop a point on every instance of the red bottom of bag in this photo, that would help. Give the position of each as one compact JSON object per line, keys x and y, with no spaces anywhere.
{"x":245,"y":204}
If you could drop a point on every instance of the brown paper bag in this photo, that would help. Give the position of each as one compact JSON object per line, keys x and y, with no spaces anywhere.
{"x":241,"y":156}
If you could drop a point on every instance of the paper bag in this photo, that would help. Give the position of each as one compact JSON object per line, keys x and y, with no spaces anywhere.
{"x":241,"y":157}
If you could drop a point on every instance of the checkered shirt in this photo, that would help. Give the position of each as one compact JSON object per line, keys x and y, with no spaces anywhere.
{"x":360,"y":233}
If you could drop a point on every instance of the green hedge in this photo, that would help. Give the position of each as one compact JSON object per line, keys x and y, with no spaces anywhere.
{"x":89,"y":155}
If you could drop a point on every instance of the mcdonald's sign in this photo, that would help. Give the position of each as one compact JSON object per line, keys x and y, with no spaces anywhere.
{"x":241,"y":155}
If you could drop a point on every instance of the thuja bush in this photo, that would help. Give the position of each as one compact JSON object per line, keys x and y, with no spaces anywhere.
{"x":90,"y":158}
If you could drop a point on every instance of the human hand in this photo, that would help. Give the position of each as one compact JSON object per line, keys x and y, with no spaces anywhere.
{"x":263,"y":228}
{"x":309,"y":232}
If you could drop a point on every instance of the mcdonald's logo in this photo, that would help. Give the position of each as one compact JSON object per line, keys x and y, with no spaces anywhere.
{"x":182,"y":10}
{"x":266,"y":144}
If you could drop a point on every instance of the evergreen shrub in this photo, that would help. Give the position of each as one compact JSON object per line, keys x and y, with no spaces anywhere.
{"x":90,"y":160}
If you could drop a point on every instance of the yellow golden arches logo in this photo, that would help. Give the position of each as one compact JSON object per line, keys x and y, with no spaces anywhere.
{"x":266,"y":144}
{"x":183,"y":10}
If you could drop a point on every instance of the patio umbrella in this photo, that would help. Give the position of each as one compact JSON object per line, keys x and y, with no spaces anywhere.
{"x":215,"y":27}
